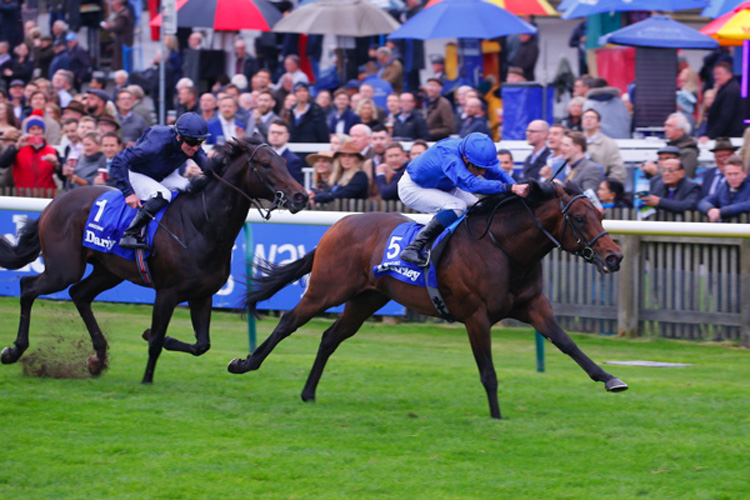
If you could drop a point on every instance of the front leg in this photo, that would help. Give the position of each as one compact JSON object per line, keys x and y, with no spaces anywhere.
{"x":163,"y":308}
{"x":478,"y":328}
{"x":200,"y":315}
{"x":538,"y":312}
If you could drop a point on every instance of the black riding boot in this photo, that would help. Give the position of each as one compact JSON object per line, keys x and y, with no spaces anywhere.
{"x":413,"y":252}
{"x":132,"y":237}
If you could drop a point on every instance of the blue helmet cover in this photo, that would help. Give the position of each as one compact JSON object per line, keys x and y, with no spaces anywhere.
{"x":479,"y":149}
{"x":192,"y":125}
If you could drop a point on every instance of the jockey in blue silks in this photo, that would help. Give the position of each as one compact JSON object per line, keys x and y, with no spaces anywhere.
{"x":441,"y":181}
{"x":151,"y":168}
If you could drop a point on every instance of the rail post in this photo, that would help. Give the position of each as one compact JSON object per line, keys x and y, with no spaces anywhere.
{"x":627,"y":293}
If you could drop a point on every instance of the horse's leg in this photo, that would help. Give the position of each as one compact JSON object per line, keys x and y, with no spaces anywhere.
{"x":164,"y":305}
{"x":200,"y":315}
{"x":478,"y":328}
{"x":540,"y":315}
{"x":83,"y":293}
{"x":53,"y":279}
{"x":356,"y":311}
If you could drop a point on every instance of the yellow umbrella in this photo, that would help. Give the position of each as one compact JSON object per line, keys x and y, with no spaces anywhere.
{"x":731,"y":28}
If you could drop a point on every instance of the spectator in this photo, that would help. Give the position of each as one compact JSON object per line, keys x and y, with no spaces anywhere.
{"x":379,"y":139}
{"x":208,"y":106}
{"x":80,"y":64}
{"x":613,"y":114}
{"x":437,"y":62}
{"x":140,"y":106}
{"x":340,"y":121}
{"x":85,"y":125}
{"x":59,"y":28}
{"x":653,"y":170}
{"x":391,"y":69}
{"x":601,"y":148}
{"x":322,"y":164}
{"x":308,"y":121}
{"x":409,"y":123}
{"x":42,"y":54}
{"x":244,"y":63}
{"x":16,"y":98}
{"x":96,"y":102}
{"x":337,"y":140}
{"x":575,"y":112}
{"x":53,"y":131}
{"x":390,"y":171}
{"x":107,"y":123}
{"x":263,"y":113}
{"x":70,"y":144}
{"x":367,"y":111}
{"x":278,"y":138}
{"x":133,"y":125}
{"x":505,"y":157}
{"x":417,"y":148}
{"x":34,"y":162}
{"x":686,"y":102}
{"x":536,"y":136}
{"x":22,"y":66}
{"x":367,"y":91}
{"x":732,"y":197}
{"x":475,"y":121}
{"x":187,"y":100}
{"x":582,"y":170}
{"x":526,"y":56}
{"x":677,"y":132}
{"x":8,"y":120}
{"x":225,"y":126}
{"x":393,"y":107}
{"x":582,"y":85}
{"x":120,"y":78}
{"x":75,"y":109}
{"x":361,"y":136}
{"x":195,"y":41}
{"x":674,"y":191}
{"x":713,"y":177}
{"x":725,"y":114}
{"x":61,"y":60}
{"x":293,"y":71}
{"x":62,"y":82}
{"x":111,"y":145}
{"x":83,"y":170}
{"x":325,"y":101}
{"x":515,"y":75}
{"x":611,"y":194}
{"x":347,"y":180}
{"x":709,"y":96}
{"x":555,"y":158}
{"x":438,"y":111}
{"x":121,"y":26}
{"x":461,"y":94}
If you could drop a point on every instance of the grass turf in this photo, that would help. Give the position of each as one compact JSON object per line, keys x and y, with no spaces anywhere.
{"x":400,"y":414}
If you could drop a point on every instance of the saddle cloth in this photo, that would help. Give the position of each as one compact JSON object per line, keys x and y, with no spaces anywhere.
{"x":108,"y":219}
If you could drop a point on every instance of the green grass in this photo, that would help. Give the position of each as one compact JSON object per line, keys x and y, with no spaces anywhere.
{"x":400,"y":414}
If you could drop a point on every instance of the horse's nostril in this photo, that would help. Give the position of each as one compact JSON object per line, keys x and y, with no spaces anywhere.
{"x":613,"y":261}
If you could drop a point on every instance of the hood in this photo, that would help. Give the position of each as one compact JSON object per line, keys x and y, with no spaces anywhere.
{"x":603,"y":94}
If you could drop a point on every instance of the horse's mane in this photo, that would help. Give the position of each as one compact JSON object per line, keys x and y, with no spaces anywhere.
{"x":541,"y":192}
{"x":224,"y":155}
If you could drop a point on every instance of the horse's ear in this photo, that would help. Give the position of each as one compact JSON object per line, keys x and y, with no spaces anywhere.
{"x":572,"y":188}
{"x":258,"y":136}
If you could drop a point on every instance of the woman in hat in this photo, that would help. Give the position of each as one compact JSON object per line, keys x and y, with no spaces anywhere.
{"x":347,"y":180}
{"x":322,"y":164}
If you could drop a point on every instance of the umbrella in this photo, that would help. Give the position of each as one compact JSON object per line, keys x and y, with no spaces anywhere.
{"x":720,"y":7}
{"x":732,"y":28}
{"x":225,"y":15}
{"x":338,"y":17}
{"x":660,"y":31}
{"x":462,"y":19}
{"x":518,"y":7}
{"x":383,"y":4}
{"x":584,"y":8}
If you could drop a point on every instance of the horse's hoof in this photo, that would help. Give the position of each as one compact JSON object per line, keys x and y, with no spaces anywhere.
{"x":235,"y":366}
{"x":615,"y":385}
{"x":308,"y":398}
{"x":95,"y":365}
{"x":8,"y":357}
{"x":146,"y":334}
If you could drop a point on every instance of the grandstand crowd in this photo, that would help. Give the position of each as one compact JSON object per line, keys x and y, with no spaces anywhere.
{"x":68,"y":107}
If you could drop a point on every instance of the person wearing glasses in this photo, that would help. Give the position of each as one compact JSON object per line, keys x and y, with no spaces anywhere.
{"x":147,"y":171}
{"x":674,"y":191}
{"x":536,"y":136}
{"x":442,"y":181}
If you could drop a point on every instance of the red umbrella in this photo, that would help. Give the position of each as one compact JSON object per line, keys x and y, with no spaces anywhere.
{"x":225,"y":15}
{"x":519,"y":7}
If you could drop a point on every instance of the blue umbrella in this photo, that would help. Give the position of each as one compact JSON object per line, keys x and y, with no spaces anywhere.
{"x":720,"y":7}
{"x":660,"y":31}
{"x":584,"y":8}
{"x":462,"y":19}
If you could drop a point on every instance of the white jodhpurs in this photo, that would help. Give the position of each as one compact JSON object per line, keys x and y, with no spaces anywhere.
{"x":146,"y":187}
{"x":432,"y":201}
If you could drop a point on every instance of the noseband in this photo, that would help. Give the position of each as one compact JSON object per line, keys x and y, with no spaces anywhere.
{"x":279,"y":199}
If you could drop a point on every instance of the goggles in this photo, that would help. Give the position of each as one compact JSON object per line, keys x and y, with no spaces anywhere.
{"x":193,"y":141}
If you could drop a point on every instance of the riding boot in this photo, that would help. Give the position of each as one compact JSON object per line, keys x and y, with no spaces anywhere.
{"x":413,"y":252}
{"x":133,"y":237}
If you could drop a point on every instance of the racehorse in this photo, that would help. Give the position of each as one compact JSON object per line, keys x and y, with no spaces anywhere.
{"x":192,"y":254}
{"x":490,"y":270}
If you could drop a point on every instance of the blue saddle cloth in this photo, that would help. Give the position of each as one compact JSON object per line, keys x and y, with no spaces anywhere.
{"x":392,"y":265}
{"x":108,"y":219}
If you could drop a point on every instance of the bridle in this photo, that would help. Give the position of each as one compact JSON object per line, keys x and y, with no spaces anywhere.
{"x":585,"y":249}
{"x":279,"y":199}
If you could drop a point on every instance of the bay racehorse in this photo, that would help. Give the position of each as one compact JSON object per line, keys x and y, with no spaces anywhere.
{"x":192,"y":250}
{"x":490,"y":270}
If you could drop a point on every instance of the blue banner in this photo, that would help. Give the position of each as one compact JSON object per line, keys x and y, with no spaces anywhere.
{"x":275,"y":243}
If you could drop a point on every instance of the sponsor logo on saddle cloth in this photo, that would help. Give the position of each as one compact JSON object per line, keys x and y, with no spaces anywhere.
{"x":108,"y":219}
{"x":392,"y":265}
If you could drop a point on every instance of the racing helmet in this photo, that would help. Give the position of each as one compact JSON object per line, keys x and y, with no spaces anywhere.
{"x":192,"y":125}
{"x":479,"y":150}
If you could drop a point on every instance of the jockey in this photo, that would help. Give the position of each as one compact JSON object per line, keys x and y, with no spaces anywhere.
{"x":151,"y":168}
{"x":440,"y":181}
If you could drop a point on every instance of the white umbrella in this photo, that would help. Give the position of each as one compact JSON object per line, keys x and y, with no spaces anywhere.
{"x":338,"y":17}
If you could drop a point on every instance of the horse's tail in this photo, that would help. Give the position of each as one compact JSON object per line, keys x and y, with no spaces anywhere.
{"x":26,"y":249}
{"x":273,"y":278}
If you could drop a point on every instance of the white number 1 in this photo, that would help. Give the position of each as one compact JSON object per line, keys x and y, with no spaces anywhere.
{"x":101,"y":204}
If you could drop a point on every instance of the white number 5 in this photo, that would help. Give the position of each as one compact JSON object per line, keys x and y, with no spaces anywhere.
{"x":394,"y":249}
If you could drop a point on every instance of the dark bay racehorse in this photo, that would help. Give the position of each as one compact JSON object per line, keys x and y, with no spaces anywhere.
{"x":490,"y":270}
{"x":206,"y":221}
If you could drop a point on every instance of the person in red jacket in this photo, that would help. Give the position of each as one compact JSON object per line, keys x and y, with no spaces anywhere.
{"x":35,"y":163}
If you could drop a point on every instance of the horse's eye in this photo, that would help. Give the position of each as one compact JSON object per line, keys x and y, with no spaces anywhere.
{"x":580,"y":219}
{"x":266,"y":165}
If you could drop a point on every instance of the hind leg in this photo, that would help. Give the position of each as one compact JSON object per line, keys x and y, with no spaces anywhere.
{"x":357,"y":310}
{"x":83,"y":293}
{"x":31,"y":288}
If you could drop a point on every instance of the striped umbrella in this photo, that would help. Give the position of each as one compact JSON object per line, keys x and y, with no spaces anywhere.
{"x":518,"y":7}
{"x":732,"y":28}
{"x":225,"y":15}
